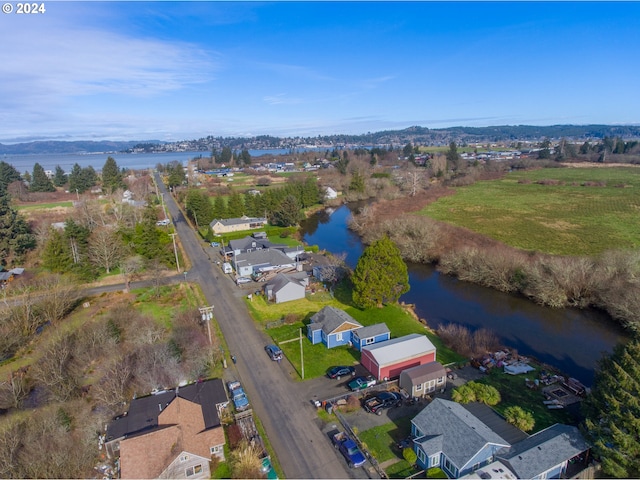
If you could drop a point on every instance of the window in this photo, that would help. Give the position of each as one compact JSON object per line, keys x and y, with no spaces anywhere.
{"x":440,"y":380}
{"x":434,"y":460}
{"x":184,"y":458}
{"x":369,"y":341}
{"x":214,"y":450}
{"x":476,"y":466}
{"x":195,"y":470}
{"x":339,"y":337}
{"x":421,"y":455}
{"x":419,"y":387}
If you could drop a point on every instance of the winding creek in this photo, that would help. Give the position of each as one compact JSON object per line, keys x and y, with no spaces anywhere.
{"x":570,"y":339}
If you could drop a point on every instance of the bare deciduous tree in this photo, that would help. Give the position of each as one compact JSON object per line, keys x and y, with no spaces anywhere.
{"x":105,"y":248}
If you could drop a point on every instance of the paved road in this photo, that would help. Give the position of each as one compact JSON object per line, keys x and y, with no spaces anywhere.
{"x":282,"y":405}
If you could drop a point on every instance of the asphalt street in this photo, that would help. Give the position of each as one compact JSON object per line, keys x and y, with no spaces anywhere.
{"x":283,"y":406}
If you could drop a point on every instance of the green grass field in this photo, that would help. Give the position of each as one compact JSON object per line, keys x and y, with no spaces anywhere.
{"x":568,"y":218}
{"x":44,"y":206}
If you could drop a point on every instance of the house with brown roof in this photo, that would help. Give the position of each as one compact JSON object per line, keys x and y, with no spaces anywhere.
{"x":171,"y":434}
{"x":423,"y":379}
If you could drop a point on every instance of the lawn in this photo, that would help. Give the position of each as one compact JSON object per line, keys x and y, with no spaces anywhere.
{"x":317,"y":358}
{"x":43,"y":206}
{"x":564,"y":218}
{"x":381,"y":441}
{"x":514,"y":392}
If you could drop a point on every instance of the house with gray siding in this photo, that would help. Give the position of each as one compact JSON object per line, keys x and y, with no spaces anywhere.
{"x":227,"y":225}
{"x":260,"y":261}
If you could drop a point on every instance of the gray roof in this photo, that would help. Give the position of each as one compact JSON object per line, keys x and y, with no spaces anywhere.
{"x":372,"y":330}
{"x":144,"y":411}
{"x":399,"y":349}
{"x":495,"y":422}
{"x":250,"y":242}
{"x":544,"y":450}
{"x":281,"y":280}
{"x":5,"y":276}
{"x":424,"y":373}
{"x":331,"y":318}
{"x":238,"y":221}
{"x":263,"y":257}
{"x":463,"y":434}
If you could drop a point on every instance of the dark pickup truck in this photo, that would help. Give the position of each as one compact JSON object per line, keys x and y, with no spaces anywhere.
{"x":382,"y":400}
{"x":355,"y":458}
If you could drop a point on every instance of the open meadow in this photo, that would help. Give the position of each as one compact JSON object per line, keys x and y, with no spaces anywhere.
{"x":563,"y":211}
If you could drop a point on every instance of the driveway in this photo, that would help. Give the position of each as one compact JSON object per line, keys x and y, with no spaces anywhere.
{"x":282,"y":405}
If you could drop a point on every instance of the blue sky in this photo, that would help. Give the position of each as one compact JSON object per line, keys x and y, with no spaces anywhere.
{"x":171,"y":71}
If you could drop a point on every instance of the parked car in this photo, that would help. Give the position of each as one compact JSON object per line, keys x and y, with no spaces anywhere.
{"x":378,"y":402}
{"x":360,"y":383}
{"x":164,"y":222}
{"x":239,"y":398}
{"x":274,"y":352}
{"x":341,"y":371}
{"x":215,"y":244}
{"x":241,"y":280}
{"x":355,"y":458}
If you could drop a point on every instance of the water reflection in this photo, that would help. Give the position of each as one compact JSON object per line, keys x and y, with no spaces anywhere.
{"x":570,"y":339}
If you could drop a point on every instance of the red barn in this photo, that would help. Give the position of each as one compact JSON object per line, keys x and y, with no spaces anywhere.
{"x":388,"y":359}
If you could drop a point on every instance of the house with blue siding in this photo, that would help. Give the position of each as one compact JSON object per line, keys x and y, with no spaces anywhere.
{"x":456,"y":439}
{"x":332,"y":326}
{"x":369,"y":335}
{"x":448,"y":436}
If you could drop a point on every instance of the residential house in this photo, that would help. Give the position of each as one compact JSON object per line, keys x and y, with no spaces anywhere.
{"x":331,"y":326}
{"x":236,"y":224}
{"x":171,"y":434}
{"x":459,"y":440}
{"x":387,"y":359}
{"x":261,"y":261}
{"x":249,"y":244}
{"x":547,"y":454}
{"x":423,"y":379}
{"x":330,"y":194}
{"x":369,"y":335}
{"x":448,"y":436}
{"x":285,"y":288}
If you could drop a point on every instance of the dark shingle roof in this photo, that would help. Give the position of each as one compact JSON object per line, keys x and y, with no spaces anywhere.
{"x":544,"y":450}
{"x":372,"y":330}
{"x":331,"y":318}
{"x":144,"y":411}
{"x":463,"y":435}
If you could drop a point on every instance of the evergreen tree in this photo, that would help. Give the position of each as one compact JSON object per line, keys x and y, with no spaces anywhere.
{"x":111,"y":176}
{"x":56,"y":255}
{"x":219,"y":208}
{"x":225,"y":157}
{"x":380,"y":276}
{"x":81,"y":179}
{"x":198,"y":207}
{"x":453,"y":158}
{"x":177,"y":175}
{"x":289,"y":213}
{"x":60,"y":178}
{"x":39,"y":180}
{"x":8,"y":174}
{"x":612,"y":411}
{"x":245,"y":157}
{"x":235,"y":205}
{"x":16,"y":238}
{"x":357,"y":182}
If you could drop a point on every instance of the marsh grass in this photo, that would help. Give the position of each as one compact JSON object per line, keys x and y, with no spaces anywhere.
{"x":571,"y":211}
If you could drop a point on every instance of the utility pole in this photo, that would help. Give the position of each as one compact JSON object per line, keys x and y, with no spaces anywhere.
{"x":175,"y":250}
{"x":301,"y":357}
{"x":207,"y":315}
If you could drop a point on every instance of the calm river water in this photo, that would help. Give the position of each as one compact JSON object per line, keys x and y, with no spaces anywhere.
{"x":569,"y":339}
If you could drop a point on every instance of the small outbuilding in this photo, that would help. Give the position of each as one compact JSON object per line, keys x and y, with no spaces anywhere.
{"x":370,"y":335}
{"x":388,"y":359}
{"x":423,"y":379}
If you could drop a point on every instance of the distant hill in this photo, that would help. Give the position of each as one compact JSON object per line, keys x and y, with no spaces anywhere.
{"x":415,"y":135}
{"x":53,"y":147}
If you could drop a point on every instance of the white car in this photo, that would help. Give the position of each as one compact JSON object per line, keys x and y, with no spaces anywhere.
{"x":164,"y":222}
{"x":241,"y":280}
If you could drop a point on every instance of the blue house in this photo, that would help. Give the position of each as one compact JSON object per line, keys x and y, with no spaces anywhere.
{"x":331,"y":326}
{"x":369,"y":335}
{"x":457,"y":439}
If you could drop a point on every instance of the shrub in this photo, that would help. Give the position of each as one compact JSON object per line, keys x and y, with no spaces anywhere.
{"x":409,"y":455}
{"x":519,"y":418}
